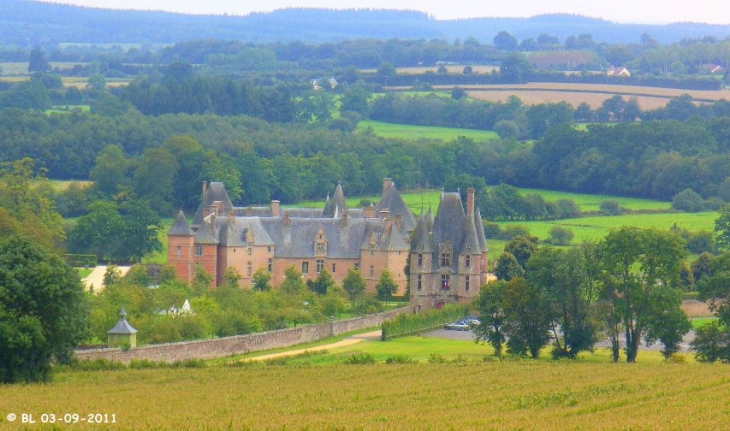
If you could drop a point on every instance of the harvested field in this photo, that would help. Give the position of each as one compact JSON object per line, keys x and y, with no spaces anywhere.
{"x":593,"y":94}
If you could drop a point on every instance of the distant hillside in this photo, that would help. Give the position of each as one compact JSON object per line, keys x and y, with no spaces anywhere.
{"x":27,"y":23}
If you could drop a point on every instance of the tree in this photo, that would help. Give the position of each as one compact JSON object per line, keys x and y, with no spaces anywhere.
{"x":504,"y":41}
{"x":522,"y":248}
{"x":98,"y":232}
{"x":528,"y":318}
{"x":642,"y":270}
{"x":508,"y":267}
{"x":560,"y":235}
{"x":722,"y":228}
{"x":292,"y":284}
{"x":386,"y":285}
{"x":515,"y":69}
{"x":571,"y":290}
{"x":43,"y":311}
{"x":323,"y":282}
{"x":491,"y":315}
{"x":688,"y":201}
{"x":37,"y":61}
{"x":261,"y":280}
{"x":139,"y":230}
{"x":353,"y":284}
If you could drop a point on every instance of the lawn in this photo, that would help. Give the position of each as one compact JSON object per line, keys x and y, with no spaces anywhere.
{"x":409,"y":132}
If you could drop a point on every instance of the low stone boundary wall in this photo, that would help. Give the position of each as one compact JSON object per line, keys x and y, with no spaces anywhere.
{"x":239,"y":344}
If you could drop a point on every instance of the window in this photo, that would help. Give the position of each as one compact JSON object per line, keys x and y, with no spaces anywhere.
{"x":420,"y":259}
{"x":372,"y":252}
{"x":467,"y":261}
{"x":198,"y":250}
{"x":333,"y":268}
{"x":268,"y":249}
{"x":320,"y":249}
{"x":271,"y":265}
{"x":357,"y":267}
{"x":445,"y":282}
{"x":372,"y":271}
{"x":305,"y":268}
{"x":419,"y":284}
{"x":466,"y":283}
{"x":248,"y":269}
{"x":249,"y":250}
{"x":445,"y":249}
{"x":320,"y":265}
{"x":179,"y":252}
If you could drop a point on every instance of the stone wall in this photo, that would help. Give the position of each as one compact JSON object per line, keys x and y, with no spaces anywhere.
{"x":222,"y":347}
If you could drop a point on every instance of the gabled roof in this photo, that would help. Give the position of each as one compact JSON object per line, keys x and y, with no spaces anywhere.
{"x":180,"y":227}
{"x":232,"y":232}
{"x":205,"y":234}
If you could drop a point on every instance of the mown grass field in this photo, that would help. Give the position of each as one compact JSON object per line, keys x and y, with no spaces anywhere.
{"x":408,"y":132}
{"x":596,"y":228}
{"x":466,"y":394}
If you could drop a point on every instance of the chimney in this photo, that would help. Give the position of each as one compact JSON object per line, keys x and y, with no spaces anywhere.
{"x":205,"y":188}
{"x":287,"y":219}
{"x":275,"y":208}
{"x":368,"y":212}
{"x":384,"y":213}
{"x":387,"y":182}
{"x":470,"y":202}
{"x":399,"y":221}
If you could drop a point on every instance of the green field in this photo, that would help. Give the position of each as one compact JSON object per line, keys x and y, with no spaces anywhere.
{"x":408,"y":132}
{"x":160,"y":257}
{"x":590,"y":203}
{"x":596,"y":228}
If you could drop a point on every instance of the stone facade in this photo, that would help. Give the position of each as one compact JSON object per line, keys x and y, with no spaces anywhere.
{"x":336,"y":238}
{"x":449,"y":254}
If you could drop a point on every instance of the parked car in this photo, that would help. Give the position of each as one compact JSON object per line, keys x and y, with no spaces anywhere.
{"x":459,"y":325}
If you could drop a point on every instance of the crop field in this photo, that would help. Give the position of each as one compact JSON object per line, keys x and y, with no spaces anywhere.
{"x":519,"y":394}
{"x":451,"y":68}
{"x":593,"y":94}
{"x":409,"y":132}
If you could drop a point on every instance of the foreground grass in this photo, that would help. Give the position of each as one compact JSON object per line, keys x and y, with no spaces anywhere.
{"x":409,"y":132}
{"x":519,"y":394}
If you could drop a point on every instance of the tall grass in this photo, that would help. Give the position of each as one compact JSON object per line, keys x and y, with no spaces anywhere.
{"x":409,"y":324}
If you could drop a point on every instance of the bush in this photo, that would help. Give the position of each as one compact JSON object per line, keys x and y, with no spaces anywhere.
{"x":435,"y":358}
{"x":399,"y":359}
{"x":688,"y":201}
{"x":560,"y":235}
{"x":610,"y":207}
{"x":360,"y":359}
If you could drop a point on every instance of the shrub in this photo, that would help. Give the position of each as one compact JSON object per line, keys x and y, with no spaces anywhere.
{"x":399,"y":359}
{"x":360,"y":359}
{"x":435,"y":358}
{"x":610,"y":207}
{"x":560,"y":235}
{"x":688,"y":201}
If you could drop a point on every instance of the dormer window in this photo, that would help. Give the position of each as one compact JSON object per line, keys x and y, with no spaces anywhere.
{"x":320,"y":243}
{"x":445,"y":250}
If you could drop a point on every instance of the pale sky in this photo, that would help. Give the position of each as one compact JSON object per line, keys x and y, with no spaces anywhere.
{"x":624,"y":11}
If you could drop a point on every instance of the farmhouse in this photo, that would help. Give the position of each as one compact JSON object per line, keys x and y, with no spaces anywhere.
{"x":618,"y":71}
{"x":336,"y":238}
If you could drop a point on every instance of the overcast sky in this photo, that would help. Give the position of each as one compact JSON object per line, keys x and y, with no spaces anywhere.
{"x":625,"y":11}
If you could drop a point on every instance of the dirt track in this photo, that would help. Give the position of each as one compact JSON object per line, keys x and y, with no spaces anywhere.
{"x":374,"y":335}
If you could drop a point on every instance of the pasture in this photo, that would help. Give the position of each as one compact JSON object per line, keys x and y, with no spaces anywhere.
{"x":467,"y":393}
{"x":410,"y":132}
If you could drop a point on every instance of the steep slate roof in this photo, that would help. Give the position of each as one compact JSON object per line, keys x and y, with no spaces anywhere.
{"x":180,"y":227}
{"x":334,"y":207}
{"x":205,"y":234}
{"x":393,"y":202}
{"x":450,"y":225}
{"x":480,"y":230}
{"x":215,"y":191}
{"x":344,"y":236}
{"x":232,"y":232}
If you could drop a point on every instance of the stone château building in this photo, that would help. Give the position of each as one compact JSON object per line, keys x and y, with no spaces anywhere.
{"x":336,"y":238}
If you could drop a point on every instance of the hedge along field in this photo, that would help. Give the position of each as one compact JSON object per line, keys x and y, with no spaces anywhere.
{"x":553,"y":395}
{"x":409,"y":132}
